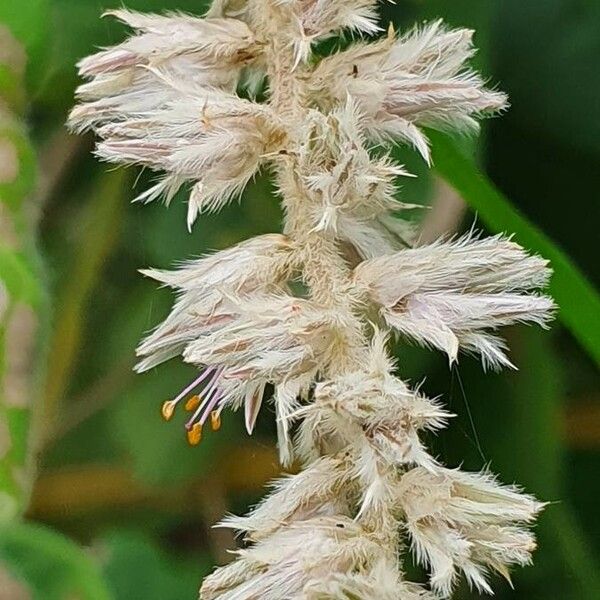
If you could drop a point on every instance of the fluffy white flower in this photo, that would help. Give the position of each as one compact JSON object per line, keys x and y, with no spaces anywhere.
{"x":450,"y":295}
{"x":248,"y":338}
{"x":378,"y":419}
{"x":214,"y":139}
{"x":272,"y":339}
{"x":288,"y":563}
{"x":257,"y":264}
{"x":419,"y":79}
{"x":318,"y":19}
{"x":319,"y":490}
{"x":270,"y":336}
{"x":233,"y":316}
{"x":383,"y":582}
{"x":203,"y":51}
{"x":165,"y":99}
{"x":465,"y":522}
{"x":302,"y":22}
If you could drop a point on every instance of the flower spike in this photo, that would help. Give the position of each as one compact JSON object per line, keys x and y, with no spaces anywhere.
{"x":302,"y":319}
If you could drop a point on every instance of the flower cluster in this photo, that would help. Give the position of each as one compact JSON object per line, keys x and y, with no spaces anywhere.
{"x":449,"y":295}
{"x":405,"y":83}
{"x":465,"y":521}
{"x":166,"y":99}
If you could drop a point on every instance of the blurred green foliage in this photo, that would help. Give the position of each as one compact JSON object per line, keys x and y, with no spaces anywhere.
{"x":51,"y":566}
{"x":122,"y":507}
{"x":23,"y":298}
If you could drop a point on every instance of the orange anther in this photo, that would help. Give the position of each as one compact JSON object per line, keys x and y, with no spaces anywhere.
{"x":193,"y":403}
{"x":194,"y":435}
{"x":215,"y":420}
{"x":167,"y":410}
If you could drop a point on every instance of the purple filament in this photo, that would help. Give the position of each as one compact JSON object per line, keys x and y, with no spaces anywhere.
{"x":213,"y":394}
{"x":194,"y":383}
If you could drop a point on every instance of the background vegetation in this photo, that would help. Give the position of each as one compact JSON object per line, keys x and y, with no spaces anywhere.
{"x":120,"y":507}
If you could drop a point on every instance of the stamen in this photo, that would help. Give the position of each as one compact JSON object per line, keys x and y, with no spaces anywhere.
{"x":168,"y":407}
{"x":215,"y":420}
{"x":193,"y":403}
{"x":214,"y":401}
{"x":194,"y":435}
{"x":210,"y":391}
{"x":201,"y":409}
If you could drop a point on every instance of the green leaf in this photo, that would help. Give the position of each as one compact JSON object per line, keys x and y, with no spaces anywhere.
{"x":578,"y":301}
{"x":52,"y":566}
